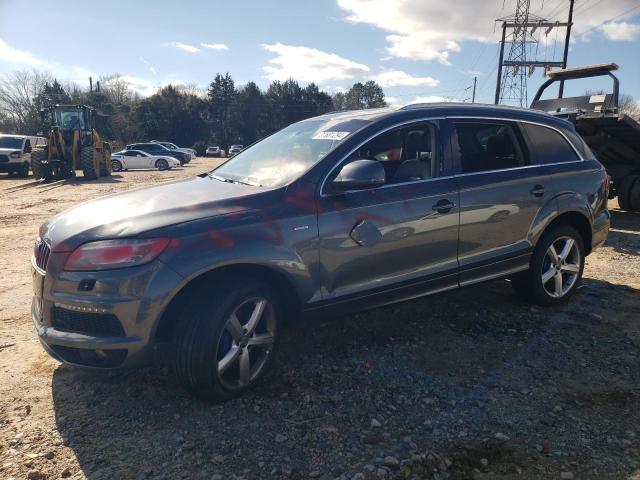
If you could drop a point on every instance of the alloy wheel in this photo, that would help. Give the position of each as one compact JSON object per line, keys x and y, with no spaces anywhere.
{"x":561,"y":267}
{"x":246,"y":343}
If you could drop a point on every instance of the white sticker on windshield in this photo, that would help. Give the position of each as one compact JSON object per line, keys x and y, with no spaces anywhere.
{"x":330,"y":135}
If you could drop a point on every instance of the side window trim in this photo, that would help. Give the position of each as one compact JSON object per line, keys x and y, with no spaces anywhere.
{"x":456,"y":167}
{"x":441,"y":145}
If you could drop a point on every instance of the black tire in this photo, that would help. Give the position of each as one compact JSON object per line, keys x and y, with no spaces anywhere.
{"x":162,"y":164}
{"x":529,"y":284}
{"x":90,"y":163}
{"x":116,"y":165}
{"x":632,"y":194}
{"x":203,"y":340}
{"x":624,"y":190}
{"x":105,"y":164}
{"x":40,"y":171}
{"x":23,"y":171}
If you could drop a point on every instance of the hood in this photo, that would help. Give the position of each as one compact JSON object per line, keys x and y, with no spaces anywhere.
{"x":131,"y":213}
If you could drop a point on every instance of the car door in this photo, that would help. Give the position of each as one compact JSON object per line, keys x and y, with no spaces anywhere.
{"x":135,"y":159}
{"x":501,"y":194}
{"x":399,"y":239}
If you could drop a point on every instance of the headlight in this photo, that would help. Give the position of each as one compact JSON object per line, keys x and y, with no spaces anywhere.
{"x":15,"y":155}
{"x":112,"y":254}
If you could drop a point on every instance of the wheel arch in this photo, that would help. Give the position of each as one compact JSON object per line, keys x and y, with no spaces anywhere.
{"x":291,"y":303}
{"x":577,"y":220}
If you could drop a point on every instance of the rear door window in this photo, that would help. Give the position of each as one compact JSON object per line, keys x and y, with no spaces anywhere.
{"x":548,"y":145}
{"x":485,"y":146}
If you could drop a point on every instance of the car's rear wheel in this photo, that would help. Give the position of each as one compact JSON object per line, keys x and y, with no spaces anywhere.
{"x":116,"y":165}
{"x":225,"y":341}
{"x":162,"y":164}
{"x":555,"y":269}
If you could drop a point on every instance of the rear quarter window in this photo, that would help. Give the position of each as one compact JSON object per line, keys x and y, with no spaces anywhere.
{"x":548,"y":146}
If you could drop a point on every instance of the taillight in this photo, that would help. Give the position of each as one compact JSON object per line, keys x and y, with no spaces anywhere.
{"x":113,"y":254}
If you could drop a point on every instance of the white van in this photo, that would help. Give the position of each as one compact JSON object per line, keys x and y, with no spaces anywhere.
{"x":15,"y":153}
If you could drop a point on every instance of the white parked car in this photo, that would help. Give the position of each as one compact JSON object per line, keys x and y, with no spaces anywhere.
{"x":127,"y":159}
{"x":15,"y":153}
{"x":172,"y":146}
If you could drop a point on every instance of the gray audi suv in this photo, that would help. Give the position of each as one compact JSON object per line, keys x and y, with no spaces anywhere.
{"x":334,"y":214}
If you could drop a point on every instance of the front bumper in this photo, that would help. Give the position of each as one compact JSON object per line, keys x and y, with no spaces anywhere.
{"x":134,"y":297}
{"x":10,"y":167}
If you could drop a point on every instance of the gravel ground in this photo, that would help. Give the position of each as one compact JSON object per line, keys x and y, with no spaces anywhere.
{"x":468,"y":384}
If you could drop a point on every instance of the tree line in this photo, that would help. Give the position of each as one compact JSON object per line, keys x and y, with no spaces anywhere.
{"x":222,"y":114}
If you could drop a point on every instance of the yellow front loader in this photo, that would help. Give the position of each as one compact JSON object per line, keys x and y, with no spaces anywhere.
{"x":72,"y":144}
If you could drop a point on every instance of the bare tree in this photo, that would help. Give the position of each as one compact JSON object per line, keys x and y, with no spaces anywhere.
{"x":116,"y":89}
{"x":628,"y":106}
{"x":18,"y":93}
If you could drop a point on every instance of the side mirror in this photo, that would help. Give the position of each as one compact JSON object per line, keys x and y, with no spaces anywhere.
{"x":360,"y":174}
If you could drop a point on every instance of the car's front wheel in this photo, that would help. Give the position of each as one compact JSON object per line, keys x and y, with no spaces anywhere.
{"x":225,"y":341}
{"x":162,"y":164}
{"x":556,"y":267}
{"x":116,"y":165}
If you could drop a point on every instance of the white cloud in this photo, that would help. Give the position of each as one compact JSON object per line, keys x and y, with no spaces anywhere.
{"x":215,"y":46}
{"x":393,"y":101}
{"x":395,"y":78}
{"x":309,"y":64}
{"x":22,"y":57}
{"x":432,"y":99}
{"x":621,"y":31}
{"x":433,"y":29}
{"x":184,"y":46}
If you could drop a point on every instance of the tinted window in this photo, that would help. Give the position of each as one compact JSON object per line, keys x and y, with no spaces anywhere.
{"x":549,"y":146}
{"x":487,"y":146}
{"x":580,"y":144}
{"x":407,"y":153}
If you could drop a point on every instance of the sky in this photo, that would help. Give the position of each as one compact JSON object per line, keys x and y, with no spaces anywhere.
{"x":417,"y":50}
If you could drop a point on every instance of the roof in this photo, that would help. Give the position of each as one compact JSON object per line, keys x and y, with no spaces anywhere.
{"x":444,"y":109}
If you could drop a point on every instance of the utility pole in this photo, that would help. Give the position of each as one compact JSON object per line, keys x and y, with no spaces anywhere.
{"x":473,"y":96}
{"x":565,"y":56}
{"x":500,"y":62}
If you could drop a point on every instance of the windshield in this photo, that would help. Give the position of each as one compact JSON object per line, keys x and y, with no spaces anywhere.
{"x":69,"y":118}
{"x":11,"y":142}
{"x":284,"y":156}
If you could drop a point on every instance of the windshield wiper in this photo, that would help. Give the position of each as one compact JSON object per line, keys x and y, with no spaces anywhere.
{"x":231,"y":180}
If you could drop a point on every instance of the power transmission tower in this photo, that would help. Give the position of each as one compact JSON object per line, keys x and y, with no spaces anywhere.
{"x":511,"y":82}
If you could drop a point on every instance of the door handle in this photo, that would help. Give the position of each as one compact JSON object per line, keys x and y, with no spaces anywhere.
{"x":443,"y":206}
{"x":537,"y":191}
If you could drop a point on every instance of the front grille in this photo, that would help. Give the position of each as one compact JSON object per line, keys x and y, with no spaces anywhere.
{"x":98,"y":324}
{"x":41,"y":252}
{"x":91,"y":358}
{"x":4,"y":158}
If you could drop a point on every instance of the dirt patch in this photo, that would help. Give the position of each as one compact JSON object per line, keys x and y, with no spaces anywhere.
{"x":460,"y":385}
